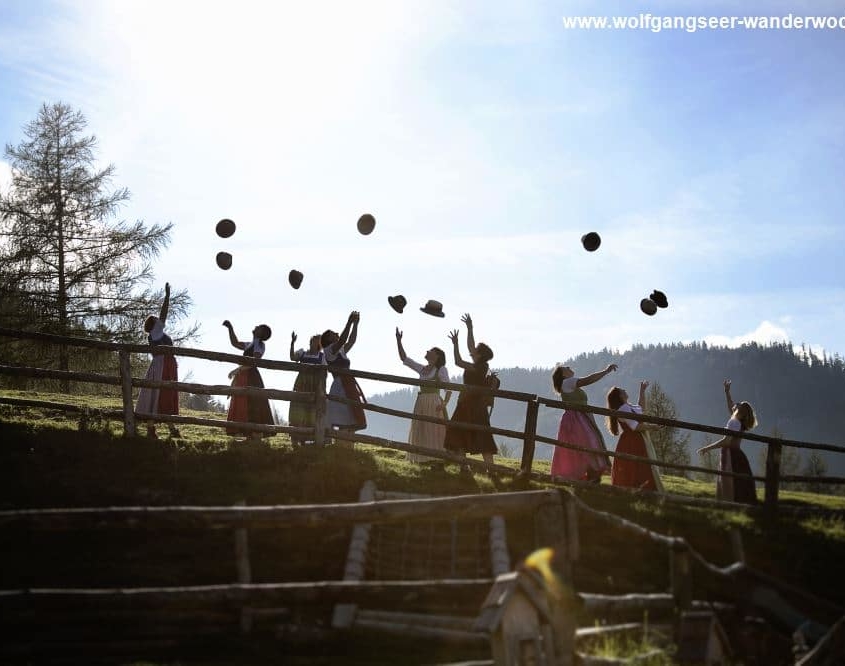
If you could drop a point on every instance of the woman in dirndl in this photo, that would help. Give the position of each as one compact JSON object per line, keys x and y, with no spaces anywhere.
{"x":731,"y":457}
{"x":428,"y":403}
{"x":249,"y":408}
{"x":301,"y":414}
{"x":163,"y":367}
{"x":634,"y":441}
{"x":342,"y":416}
{"x":472,"y":405}
{"x":578,"y":428}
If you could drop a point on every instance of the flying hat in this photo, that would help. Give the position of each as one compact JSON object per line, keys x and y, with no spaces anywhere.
{"x":591,"y":241}
{"x":434,"y":308}
{"x":224,"y":260}
{"x":659,"y":299}
{"x":398,"y":302}
{"x":366,"y":224}
{"x":648,"y":306}
{"x":295,"y":278}
{"x":225,"y":228}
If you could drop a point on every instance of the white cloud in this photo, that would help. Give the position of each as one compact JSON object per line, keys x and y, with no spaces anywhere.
{"x":765,"y":333}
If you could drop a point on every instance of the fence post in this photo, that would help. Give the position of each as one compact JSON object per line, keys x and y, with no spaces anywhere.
{"x":531,"y":411}
{"x":244,"y":570}
{"x":320,"y":408}
{"x":125,"y":371}
{"x":563,"y":603}
{"x":772,"y":475}
{"x":681,"y":574}
{"x":343,"y":615}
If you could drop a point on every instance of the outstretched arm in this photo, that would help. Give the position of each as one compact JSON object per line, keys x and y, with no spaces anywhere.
{"x":470,"y":334}
{"x":343,"y":337}
{"x":165,"y":306}
{"x":232,"y":337}
{"x":353,"y":335}
{"x":728,"y":396}
{"x":725,"y":441}
{"x":292,"y":341}
{"x":399,"y":347}
{"x":453,"y":336}
{"x":593,"y":378}
{"x":641,"y":401}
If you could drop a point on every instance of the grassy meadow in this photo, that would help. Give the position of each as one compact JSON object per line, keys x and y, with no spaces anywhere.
{"x":48,"y":461}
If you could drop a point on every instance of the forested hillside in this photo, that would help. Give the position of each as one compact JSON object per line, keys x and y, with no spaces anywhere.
{"x":796,"y":394}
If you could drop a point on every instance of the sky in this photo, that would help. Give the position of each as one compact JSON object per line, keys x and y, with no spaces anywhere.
{"x":486,"y":139}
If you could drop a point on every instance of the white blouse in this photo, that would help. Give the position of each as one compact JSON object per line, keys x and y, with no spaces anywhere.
{"x":427,"y":372}
{"x":633,"y":409}
{"x":569,"y":384}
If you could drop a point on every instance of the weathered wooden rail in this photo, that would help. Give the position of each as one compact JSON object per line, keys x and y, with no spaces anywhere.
{"x":144,"y":614}
{"x":528,"y":437}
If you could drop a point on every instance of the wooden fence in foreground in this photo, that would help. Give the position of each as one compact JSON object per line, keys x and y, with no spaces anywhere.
{"x":140,"y":619}
{"x":528,"y":437}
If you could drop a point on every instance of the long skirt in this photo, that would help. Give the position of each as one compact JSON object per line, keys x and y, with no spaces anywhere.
{"x":159,"y":401}
{"x":631,"y":473}
{"x":247,"y":408}
{"x":579,"y":429}
{"x":424,"y":433}
{"x":301,"y":414}
{"x":470,"y":409}
{"x":341,"y":415}
{"x":735,"y":488}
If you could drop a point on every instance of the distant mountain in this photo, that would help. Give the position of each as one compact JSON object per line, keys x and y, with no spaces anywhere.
{"x":795,"y":393}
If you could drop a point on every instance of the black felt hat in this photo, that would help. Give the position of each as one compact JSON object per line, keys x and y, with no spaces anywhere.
{"x":648,"y":306}
{"x":295,"y":278}
{"x":366,"y":224}
{"x":659,"y":299}
{"x":397,"y":302}
{"x":591,"y":241}
{"x":434,"y":308}
{"x":225,"y":228}
{"x":224,"y":260}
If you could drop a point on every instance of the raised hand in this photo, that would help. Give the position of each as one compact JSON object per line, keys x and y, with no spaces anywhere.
{"x":398,"y":334}
{"x":227,"y":323}
{"x":727,"y":384}
{"x":467,"y":320}
{"x":453,"y":336}
{"x":293,"y":337}
{"x":354,"y":316}
{"x":643,"y":386}
{"x":611,"y":368}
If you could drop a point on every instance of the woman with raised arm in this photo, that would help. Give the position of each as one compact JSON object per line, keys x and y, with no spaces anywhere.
{"x":345,"y":417}
{"x":633,"y":441}
{"x":731,"y":457}
{"x":248,"y":408}
{"x":301,"y":414}
{"x":163,"y":367}
{"x":471,"y":407}
{"x":428,"y":403}
{"x":578,"y":428}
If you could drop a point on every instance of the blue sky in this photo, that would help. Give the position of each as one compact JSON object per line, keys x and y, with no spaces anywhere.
{"x":486,"y":139}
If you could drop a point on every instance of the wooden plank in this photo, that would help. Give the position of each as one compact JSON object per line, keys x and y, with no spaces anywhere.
{"x":772,"y":473}
{"x":532,"y":409}
{"x":308,"y":515}
{"x":125,"y":372}
{"x":407,"y":594}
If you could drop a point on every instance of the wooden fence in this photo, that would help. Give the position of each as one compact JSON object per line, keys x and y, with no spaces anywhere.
{"x":179,"y":614}
{"x":528,"y":437}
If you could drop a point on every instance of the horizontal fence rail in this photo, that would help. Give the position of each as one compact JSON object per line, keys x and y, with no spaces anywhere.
{"x":459,"y":507}
{"x":320,"y":432}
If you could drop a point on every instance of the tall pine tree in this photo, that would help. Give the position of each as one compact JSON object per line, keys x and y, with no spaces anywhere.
{"x":73,"y":268}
